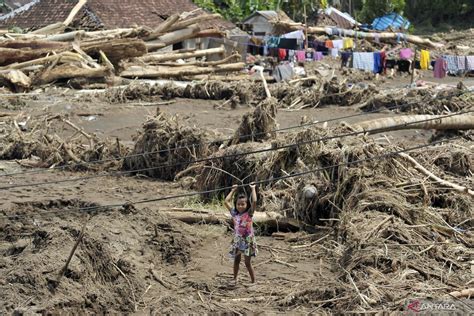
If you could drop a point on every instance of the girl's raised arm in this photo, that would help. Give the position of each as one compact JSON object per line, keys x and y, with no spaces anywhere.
{"x":253,"y":207}
{"x":228,"y":198}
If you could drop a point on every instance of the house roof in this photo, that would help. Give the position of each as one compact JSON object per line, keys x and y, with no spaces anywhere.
{"x":342,"y":19}
{"x":15,"y":4}
{"x":270,"y":15}
{"x":105,"y":14}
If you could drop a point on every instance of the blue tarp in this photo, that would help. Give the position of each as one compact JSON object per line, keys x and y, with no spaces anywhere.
{"x":393,"y":20}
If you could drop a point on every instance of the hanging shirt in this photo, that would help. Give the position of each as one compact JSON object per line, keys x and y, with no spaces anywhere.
{"x":424,"y":59}
{"x":281,"y":54}
{"x":329,"y":44}
{"x":345,"y":56}
{"x":300,"y":55}
{"x":318,"y":56}
{"x":377,"y":63}
{"x":406,"y":53}
{"x":440,"y":68}
{"x":309,"y":55}
{"x":348,"y":43}
{"x":338,"y":44}
{"x":334,"y":52}
{"x":363,"y":61}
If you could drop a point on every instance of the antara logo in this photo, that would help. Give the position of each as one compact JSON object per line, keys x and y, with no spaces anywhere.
{"x":418,"y":306}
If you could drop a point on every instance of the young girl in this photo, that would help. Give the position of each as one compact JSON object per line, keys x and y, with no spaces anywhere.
{"x":244,"y":238}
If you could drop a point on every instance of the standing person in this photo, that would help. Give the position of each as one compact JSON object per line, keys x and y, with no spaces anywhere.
{"x":244,"y":243}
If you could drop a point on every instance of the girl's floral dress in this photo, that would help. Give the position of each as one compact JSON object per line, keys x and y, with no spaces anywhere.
{"x":244,"y":238}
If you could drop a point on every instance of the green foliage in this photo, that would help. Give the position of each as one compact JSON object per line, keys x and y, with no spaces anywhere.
{"x":375,"y":8}
{"x":236,"y":10}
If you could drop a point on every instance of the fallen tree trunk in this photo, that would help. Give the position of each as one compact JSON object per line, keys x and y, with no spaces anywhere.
{"x":229,"y":59}
{"x":270,"y":219}
{"x":11,"y":55}
{"x":16,"y":80}
{"x":170,"y":72}
{"x":175,"y":37}
{"x":439,"y":122}
{"x":163,"y":27}
{"x":63,"y":57}
{"x":371,"y":36}
{"x":34,"y":44}
{"x":116,"y":49}
{"x":174,"y":56}
{"x":195,"y":20}
{"x":66,"y":71}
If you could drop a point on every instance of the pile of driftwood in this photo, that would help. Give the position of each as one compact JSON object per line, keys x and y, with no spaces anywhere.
{"x":36,"y":143}
{"x":101,"y":58}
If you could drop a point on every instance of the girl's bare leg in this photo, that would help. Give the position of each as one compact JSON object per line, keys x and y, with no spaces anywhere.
{"x":248,"y":264}
{"x":237,"y":259}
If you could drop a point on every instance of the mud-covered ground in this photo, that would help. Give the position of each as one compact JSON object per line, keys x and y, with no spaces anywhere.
{"x":135,"y":259}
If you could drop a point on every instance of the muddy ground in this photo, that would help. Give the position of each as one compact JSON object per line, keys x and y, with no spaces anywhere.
{"x":134,"y":259}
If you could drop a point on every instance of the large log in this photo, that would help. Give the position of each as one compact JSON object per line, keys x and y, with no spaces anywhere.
{"x":170,"y":72}
{"x":371,"y":36}
{"x":174,"y":56}
{"x":16,"y":80}
{"x":33,"y":44}
{"x":270,"y":219}
{"x":116,"y":49}
{"x":176,"y":36}
{"x":67,"y":71}
{"x":11,"y":55}
{"x":440,"y":122}
{"x":64,"y":57}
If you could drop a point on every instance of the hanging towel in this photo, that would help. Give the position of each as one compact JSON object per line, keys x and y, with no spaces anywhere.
{"x":329,"y":44}
{"x":377,"y":63}
{"x":363,"y":61}
{"x":281,"y":54}
{"x":291,"y":55}
{"x":452,"y":64}
{"x":348,"y":43}
{"x":440,"y":68}
{"x":406,"y":53}
{"x":469,"y":63}
{"x":461,"y":61}
{"x":424,"y":59}
{"x":300,"y":55}
{"x":338,"y":44}
{"x":334,"y":52}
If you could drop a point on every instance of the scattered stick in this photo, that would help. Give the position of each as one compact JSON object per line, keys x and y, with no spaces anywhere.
{"x":466,"y":293}
{"x":55,"y":283}
{"x":129,"y":284}
{"x":423,"y":170}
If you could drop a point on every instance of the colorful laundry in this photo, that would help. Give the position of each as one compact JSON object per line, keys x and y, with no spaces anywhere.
{"x":318,"y":56}
{"x":424,"y":59}
{"x":281,"y":54}
{"x":363,"y":61}
{"x":440,"y":68}
{"x":377,"y":63}
{"x":348,"y":43}
{"x":300,"y":55}
{"x":469,"y":63}
{"x":406,"y":53}
{"x":339,"y":44}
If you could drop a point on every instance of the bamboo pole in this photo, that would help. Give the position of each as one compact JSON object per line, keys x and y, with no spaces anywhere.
{"x":371,"y":36}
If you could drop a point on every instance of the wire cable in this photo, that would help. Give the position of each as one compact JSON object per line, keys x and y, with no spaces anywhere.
{"x":211,"y":142}
{"x":119,"y":173}
{"x":294,"y":175}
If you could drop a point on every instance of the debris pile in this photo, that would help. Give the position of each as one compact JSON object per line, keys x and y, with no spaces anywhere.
{"x":102,"y":58}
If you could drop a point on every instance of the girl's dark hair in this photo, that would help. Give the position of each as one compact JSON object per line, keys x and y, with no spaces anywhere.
{"x":242,"y":196}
